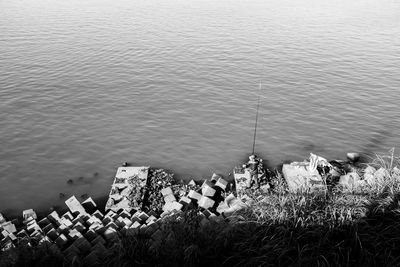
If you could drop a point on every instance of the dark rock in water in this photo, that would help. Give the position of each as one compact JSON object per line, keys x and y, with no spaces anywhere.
{"x":81,"y":178}
{"x":84,"y":196}
{"x":70,"y":181}
{"x":353,"y":157}
{"x":61,"y":195}
{"x":96,"y":174}
{"x":125,"y":164}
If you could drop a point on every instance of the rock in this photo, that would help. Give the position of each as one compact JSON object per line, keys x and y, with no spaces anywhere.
{"x":350,"y":180}
{"x":353,"y":157}
{"x":61,"y":195}
{"x":70,"y":181}
{"x":380,"y":176}
{"x":29,"y":213}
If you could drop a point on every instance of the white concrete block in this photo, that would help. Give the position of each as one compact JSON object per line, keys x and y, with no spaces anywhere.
{"x":221,"y":183}
{"x":167,"y":191}
{"x":208,"y":191}
{"x":206,"y":202}
{"x":29,"y":213}
{"x":74,"y":205}
{"x":194,"y":195}
{"x":169,"y":198}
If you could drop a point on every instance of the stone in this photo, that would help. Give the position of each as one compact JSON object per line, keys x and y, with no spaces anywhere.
{"x":125,"y":214}
{"x":300,"y":178}
{"x":111,"y":234}
{"x":29,"y":213}
{"x":353,"y":157}
{"x":22,"y":233}
{"x":151,"y":219}
{"x":206,"y":202}
{"x":207,"y":183}
{"x":106,"y":220}
{"x":380,"y":177}
{"x":74,"y":234}
{"x":221,"y":183}
{"x":55,"y":218}
{"x":112,"y":214}
{"x":33,"y":227}
{"x":169,"y":198}
{"x":192,"y":183}
{"x":66,"y":222}
{"x":222,"y":207}
{"x":167,"y":191}
{"x":74,"y":205}
{"x":194,"y":195}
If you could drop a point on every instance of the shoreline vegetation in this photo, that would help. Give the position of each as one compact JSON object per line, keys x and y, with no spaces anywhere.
{"x":341,"y":226}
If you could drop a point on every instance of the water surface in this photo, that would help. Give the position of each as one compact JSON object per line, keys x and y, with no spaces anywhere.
{"x":86,"y":85}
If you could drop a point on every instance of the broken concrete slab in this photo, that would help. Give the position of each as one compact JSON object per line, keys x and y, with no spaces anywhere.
{"x":166,"y":191}
{"x":194,"y":195}
{"x":221,"y":183}
{"x":300,"y":178}
{"x":29,"y":213}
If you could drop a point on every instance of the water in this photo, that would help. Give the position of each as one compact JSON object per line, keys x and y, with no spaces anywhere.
{"x":86,"y":85}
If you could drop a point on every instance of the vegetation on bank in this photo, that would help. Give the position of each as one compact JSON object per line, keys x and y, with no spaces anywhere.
{"x":278,"y":229}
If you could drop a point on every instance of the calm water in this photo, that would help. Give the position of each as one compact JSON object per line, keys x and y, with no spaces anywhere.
{"x":86,"y":85}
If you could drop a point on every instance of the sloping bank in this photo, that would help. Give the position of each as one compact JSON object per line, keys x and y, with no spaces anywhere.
{"x":352,"y":223}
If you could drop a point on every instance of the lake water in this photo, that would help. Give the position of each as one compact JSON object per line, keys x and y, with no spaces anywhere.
{"x":87,"y":85}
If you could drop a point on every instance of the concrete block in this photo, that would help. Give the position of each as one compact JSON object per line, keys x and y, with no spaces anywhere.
{"x":106,"y":220}
{"x":98,"y":215}
{"x":36,"y":234}
{"x":299,"y":177}
{"x":111,"y":225}
{"x":9,"y":227}
{"x":47,"y":228}
{"x":208,"y":191}
{"x":185,"y":201}
{"x":169,"y":198}
{"x":12,"y":237}
{"x":63,"y":229}
{"x":68,"y":215}
{"x":61,"y":241}
{"x":43,"y":222}
{"x":99,"y":248}
{"x":79,"y":227}
{"x":206,"y":184}
{"x":74,"y":234}
{"x":66,"y":222}
{"x":2,"y":219}
{"x":33,"y":227}
{"x":83,"y":245}
{"x":167,"y":191}
{"x":152,"y":213}
{"x":192,"y":183}
{"x":170,"y":206}
{"x":91,"y":259}
{"x":206,"y":202}
{"x":21,"y":234}
{"x":143,"y":216}
{"x":124,"y":214}
{"x":72,"y":249}
{"x":93,"y":220}
{"x":151,"y":219}
{"x":54,"y":218}
{"x":52,"y":234}
{"x":89,"y":205}
{"x":90,"y":235}
{"x":74,"y":205}
{"x":112,"y":214}
{"x":215,"y":177}
{"x":79,"y":219}
{"x":29,"y":213}
{"x":207,"y":213}
{"x":194,"y":195}
{"x":221,"y":183}
{"x":222,"y":207}
{"x":157,"y":235}
{"x":98,"y":240}
{"x":29,"y":220}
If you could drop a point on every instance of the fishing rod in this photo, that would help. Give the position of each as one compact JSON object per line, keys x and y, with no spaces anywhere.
{"x":255,"y":125}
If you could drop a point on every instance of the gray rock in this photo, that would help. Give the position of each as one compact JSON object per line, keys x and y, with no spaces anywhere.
{"x":353,"y":157}
{"x":350,"y":181}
